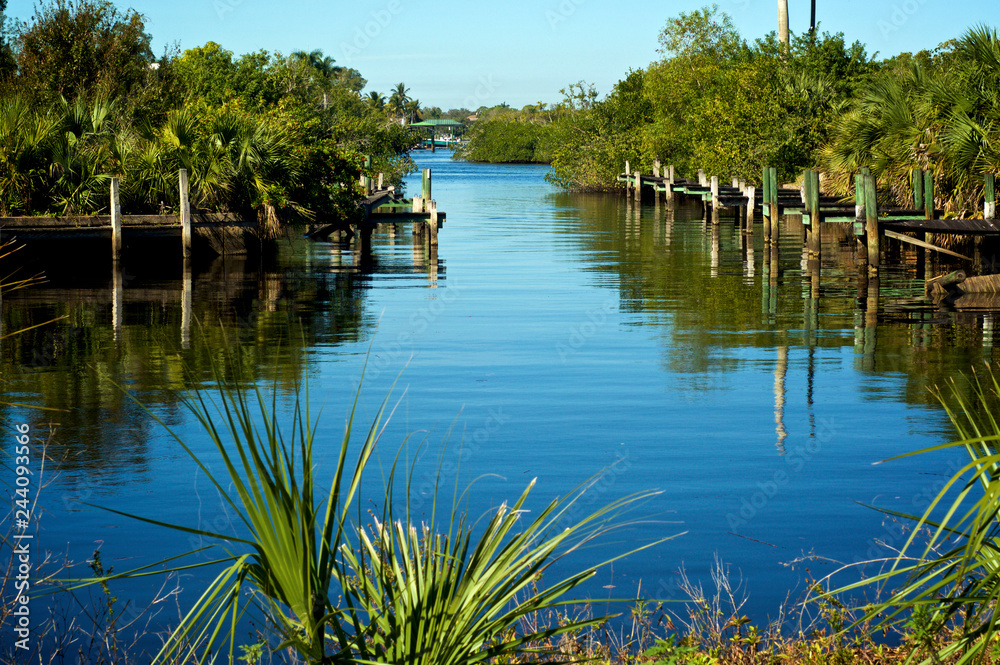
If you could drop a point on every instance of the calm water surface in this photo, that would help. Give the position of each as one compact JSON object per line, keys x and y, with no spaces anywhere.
{"x":551,"y":336}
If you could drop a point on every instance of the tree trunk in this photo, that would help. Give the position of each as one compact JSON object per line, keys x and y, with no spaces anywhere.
{"x":783,"y":25}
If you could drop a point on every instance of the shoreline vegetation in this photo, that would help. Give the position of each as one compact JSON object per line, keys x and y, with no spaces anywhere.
{"x":282,"y":139}
{"x":718,"y":103}
{"x":278,"y":139}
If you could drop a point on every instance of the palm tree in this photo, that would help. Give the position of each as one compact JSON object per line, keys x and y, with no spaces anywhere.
{"x":320,"y":68}
{"x":376,"y":100}
{"x":412,"y":108}
{"x":398,"y":100}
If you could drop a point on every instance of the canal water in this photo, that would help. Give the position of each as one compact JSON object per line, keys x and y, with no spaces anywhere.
{"x":559,"y":337}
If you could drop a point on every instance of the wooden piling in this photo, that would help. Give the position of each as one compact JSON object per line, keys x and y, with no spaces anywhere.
{"x":628,"y":175}
{"x":418,"y":205}
{"x":871,"y":222}
{"x":859,"y":196}
{"x":928,"y":201}
{"x":425,"y":192}
{"x":918,"y":188}
{"x":656,"y":168}
{"x":715,"y":199}
{"x":814,"y":237}
{"x":670,"y":184}
{"x":928,"y":205}
{"x":432,"y":223}
{"x":751,"y":195}
{"x":989,"y":197}
{"x":381,"y":177}
{"x":702,"y":181}
{"x":638,"y":186}
{"x":365,"y":180}
{"x":116,"y":222}
{"x":766,"y":200}
{"x":185,"y":214}
{"x":774,"y":206}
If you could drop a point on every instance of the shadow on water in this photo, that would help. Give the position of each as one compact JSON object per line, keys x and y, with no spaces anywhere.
{"x":157,"y":325}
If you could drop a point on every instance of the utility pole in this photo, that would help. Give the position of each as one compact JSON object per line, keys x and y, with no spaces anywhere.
{"x":783,"y":40}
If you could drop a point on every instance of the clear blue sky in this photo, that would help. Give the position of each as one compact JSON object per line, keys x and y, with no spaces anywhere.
{"x":452,"y":54}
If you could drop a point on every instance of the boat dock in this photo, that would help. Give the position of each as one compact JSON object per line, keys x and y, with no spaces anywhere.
{"x":871,"y":224}
{"x":221,"y":234}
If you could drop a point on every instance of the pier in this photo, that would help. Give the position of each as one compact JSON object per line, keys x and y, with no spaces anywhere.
{"x":869,"y":223}
{"x":220,"y":234}
{"x":384,"y":210}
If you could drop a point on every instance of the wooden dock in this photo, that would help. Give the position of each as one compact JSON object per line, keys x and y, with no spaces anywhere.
{"x":220,"y":234}
{"x":871,"y":225}
{"x":210,"y":233}
{"x":383,"y":210}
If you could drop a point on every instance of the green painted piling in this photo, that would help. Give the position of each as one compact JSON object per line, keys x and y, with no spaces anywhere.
{"x":989,"y":197}
{"x":859,"y":196}
{"x":774,"y":205}
{"x":928,"y":195}
{"x":871,"y":221}
{"x":425,"y":192}
{"x":184,"y":208}
{"x":766,"y":201}
{"x":918,"y":188}
{"x":812,"y":204}
{"x":116,"y":223}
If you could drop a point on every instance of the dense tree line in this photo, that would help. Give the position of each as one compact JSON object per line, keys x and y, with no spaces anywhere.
{"x":717,"y":102}
{"x":274,"y":137}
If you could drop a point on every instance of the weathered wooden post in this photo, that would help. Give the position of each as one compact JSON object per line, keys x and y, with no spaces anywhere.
{"x":918,"y":187}
{"x":702,"y":181}
{"x":116,"y":222}
{"x":185,"y":214}
{"x":814,"y":238}
{"x":871,"y":222}
{"x":751,"y":204}
{"x":859,"y":196}
{"x":418,"y":206}
{"x":432,"y":223}
{"x":806,"y":204}
{"x":425,"y":191}
{"x":928,"y":201}
{"x":628,"y":177}
{"x":381,"y":177}
{"x":736,"y":181}
{"x":638,"y":185}
{"x":774,"y":206}
{"x":656,"y":168}
{"x":670,"y":184}
{"x":365,"y":184}
{"x":766,"y":201}
{"x":715,"y":199}
{"x":989,"y":197}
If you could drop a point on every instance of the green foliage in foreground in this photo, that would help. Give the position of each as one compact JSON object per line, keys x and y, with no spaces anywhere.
{"x":410,"y":594}
{"x":951,"y":585}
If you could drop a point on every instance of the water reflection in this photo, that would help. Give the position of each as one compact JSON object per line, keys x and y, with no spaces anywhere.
{"x":160,"y":331}
{"x":672,"y":259}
